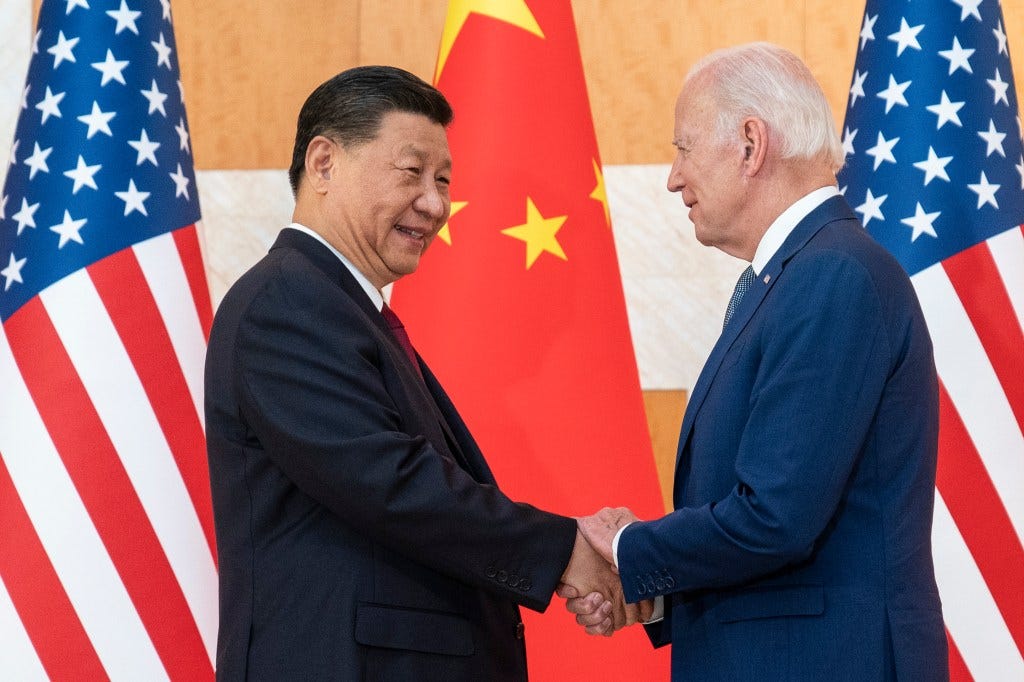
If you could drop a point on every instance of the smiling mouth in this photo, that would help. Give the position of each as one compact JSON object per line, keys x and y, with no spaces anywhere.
{"x":409,"y":232}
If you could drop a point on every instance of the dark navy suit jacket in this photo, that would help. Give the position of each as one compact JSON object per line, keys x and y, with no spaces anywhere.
{"x":800,"y":545}
{"x":360,"y":533}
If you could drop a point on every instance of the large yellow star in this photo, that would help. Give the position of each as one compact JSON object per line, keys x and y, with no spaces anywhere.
{"x":445,"y":233}
{"x":514,"y":12}
{"x":539,"y":234}
{"x":599,"y":193}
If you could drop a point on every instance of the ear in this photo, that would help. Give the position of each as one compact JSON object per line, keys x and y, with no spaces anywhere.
{"x":321,"y":153}
{"x":755,"y":141}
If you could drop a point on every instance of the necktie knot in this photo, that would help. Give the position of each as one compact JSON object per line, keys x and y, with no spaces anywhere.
{"x":742,"y":284}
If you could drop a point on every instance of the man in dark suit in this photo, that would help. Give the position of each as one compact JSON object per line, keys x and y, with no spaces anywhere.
{"x":360,"y":533}
{"x":799,"y":548}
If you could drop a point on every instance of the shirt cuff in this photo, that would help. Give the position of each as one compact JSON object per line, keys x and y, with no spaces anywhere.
{"x":615,"y":544}
{"x":658,"y":614}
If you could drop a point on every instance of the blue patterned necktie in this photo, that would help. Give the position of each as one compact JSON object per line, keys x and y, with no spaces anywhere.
{"x":742,"y":284}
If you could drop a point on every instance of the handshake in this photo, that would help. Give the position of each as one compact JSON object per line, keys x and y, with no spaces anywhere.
{"x":591,"y":585}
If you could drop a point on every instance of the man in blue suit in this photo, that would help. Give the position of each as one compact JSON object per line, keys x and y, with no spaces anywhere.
{"x":799,"y":548}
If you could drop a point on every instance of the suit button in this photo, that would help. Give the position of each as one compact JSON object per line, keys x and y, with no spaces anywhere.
{"x":513,"y":581}
{"x":641,"y":589}
{"x":502,"y":576}
{"x":659,"y":584}
{"x":491,"y":571}
{"x":520,"y":630}
{"x":525,"y":584}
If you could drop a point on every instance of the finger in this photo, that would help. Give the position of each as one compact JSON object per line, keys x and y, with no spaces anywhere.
{"x":619,"y":614}
{"x":604,"y":629}
{"x":595,"y":616}
{"x":585,"y":605}
{"x":567,"y":591}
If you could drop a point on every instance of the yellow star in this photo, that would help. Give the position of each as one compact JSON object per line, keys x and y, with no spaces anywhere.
{"x":514,"y":12}
{"x":599,"y":193}
{"x":538,"y":233}
{"x":445,"y":233}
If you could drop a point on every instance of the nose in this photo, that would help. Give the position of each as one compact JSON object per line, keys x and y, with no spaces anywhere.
{"x":431,"y":202}
{"x":675,"y":177}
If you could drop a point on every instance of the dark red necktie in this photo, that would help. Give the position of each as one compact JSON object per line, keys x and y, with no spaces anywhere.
{"x":398,"y":329}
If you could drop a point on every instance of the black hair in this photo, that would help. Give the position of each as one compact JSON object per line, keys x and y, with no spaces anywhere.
{"x":349,"y":107}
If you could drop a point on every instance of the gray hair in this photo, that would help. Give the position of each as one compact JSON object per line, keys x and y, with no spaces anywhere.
{"x":774,"y":85}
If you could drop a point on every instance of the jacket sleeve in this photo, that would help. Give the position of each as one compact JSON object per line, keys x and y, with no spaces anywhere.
{"x":315,"y":390}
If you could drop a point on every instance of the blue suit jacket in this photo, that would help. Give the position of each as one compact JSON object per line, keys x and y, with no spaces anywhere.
{"x":800,"y":547}
{"x":360,"y":533}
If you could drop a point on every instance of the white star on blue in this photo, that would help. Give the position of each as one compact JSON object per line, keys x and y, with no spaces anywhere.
{"x":104,"y":160}
{"x":953,"y":178}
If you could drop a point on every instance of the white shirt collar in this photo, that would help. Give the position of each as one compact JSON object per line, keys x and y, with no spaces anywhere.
{"x":779,"y":230}
{"x":375,"y":295}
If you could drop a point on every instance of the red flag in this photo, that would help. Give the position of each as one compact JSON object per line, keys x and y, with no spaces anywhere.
{"x":935,"y":166}
{"x":107,"y":563}
{"x":518,"y":306}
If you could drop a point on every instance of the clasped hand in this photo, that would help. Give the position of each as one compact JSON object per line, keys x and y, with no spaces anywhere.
{"x":591,"y":585}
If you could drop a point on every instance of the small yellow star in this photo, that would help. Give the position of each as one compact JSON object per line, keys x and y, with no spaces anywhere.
{"x":599,"y":193}
{"x":539,"y":234}
{"x":445,"y":233}
{"x":514,"y":12}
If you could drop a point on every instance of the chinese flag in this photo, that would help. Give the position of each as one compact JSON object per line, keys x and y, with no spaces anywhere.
{"x":518,"y":306}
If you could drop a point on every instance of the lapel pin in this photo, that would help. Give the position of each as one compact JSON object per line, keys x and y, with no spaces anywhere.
{"x":767,"y":278}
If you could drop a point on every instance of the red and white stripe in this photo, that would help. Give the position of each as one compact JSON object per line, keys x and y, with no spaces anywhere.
{"x":974,"y":305}
{"x":109,"y":568}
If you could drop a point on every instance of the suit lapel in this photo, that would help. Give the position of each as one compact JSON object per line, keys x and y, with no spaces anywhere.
{"x":832,"y":209}
{"x":427,"y":387}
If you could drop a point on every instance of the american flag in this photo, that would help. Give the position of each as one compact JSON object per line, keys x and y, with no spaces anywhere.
{"x":107,"y":558}
{"x":935,"y":169}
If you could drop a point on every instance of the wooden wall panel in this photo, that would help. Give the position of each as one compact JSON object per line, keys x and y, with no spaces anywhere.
{"x":831,"y":32}
{"x":248,"y":65}
{"x":664,"y":417}
{"x":402,"y":33}
{"x":635,"y":55}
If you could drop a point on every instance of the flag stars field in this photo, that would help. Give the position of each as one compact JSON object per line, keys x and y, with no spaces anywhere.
{"x":974,"y":59}
{"x":55,"y":138}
